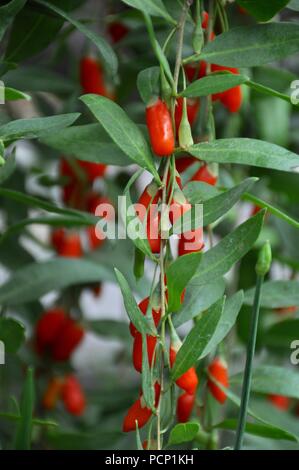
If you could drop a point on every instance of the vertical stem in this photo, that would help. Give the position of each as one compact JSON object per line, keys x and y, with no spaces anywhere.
{"x":248,"y":367}
{"x":181,"y":28}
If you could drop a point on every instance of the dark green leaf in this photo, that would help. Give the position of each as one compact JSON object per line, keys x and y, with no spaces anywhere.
{"x":231,"y":310}
{"x":247,"y":152}
{"x":249,"y":46}
{"x":183,"y":432}
{"x":140,"y":321}
{"x":151,"y":7}
{"x":178,"y":274}
{"x":281,"y":335}
{"x":13,"y":95}
{"x":214,"y":83}
{"x":257,"y":429}
{"x":110,"y":328}
{"x":12,"y":333}
{"x":122,"y":130}
{"x":36,"y":279}
{"x":88,"y":143}
{"x":148,"y":83}
{"x":8,"y":168}
{"x":35,"y":127}
{"x":33,"y":78}
{"x":24,"y":427}
{"x":276,"y":294}
{"x":197,"y":340}
{"x":7,"y":13}
{"x":198,"y":299}
{"x":219,"y":260}
{"x":263,"y":10}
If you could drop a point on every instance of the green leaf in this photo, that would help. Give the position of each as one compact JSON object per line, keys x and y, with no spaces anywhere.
{"x":106,"y":52}
{"x":228,"y":319}
{"x":270,"y":92}
{"x":110,"y":328}
{"x":88,"y":143}
{"x":257,"y":429}
{"x":35,"y":421}
{"x":220,"y":259}
{"x":148,"y":83}
{"x":197,"y":340}
{"x":140,"y":321}
{"x":122,"y":130}
{"x":11,"y":94}
{"x":178,"y":274}
{"x":24,"y":427}
{"x":198,"y":299}
{"x":12,"y":333}
{"x":274,"y":380}
{"x":217,"y":206}
{"x":34,"y":78}
{"x":8,"y":168}
{"x":294,"y":5}
{"x":247,"y":152}
{"x":281,"y":335}
{"x":276,"y":294}
{"x":183,"y":432}
{"x":7,"y":13}
{"x":198,"y":192}
{"x":214,"y":83}
{"x":151,"y":7}
{"x":263,"y":10}
{"x":249,"y":46}
{"x":36,"y":279}
{"x":35,"y":127}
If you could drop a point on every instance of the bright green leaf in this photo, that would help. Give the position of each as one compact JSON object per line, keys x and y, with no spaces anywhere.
{"x":183,"y":432}
{"x":214,"y":83}
{"x":12,"y":333}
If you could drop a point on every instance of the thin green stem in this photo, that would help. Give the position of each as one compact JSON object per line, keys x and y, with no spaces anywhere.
{"x":181,"y":29}
{"x":248,"y":367}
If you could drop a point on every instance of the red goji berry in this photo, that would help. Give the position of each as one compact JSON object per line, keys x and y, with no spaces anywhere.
{"x":68,"y":338}
{"x":92,"y":77}
{"x":139,"y":412}
{"x":191,"y":242}
{"x":71,"y":246}
{"x":52,"y":393}
{"x":185,"y":406}
{"x":187,"y":381}
{"x":92,"y":170}
{"x":218,"y":370}
{"x":117,"y":31}
{"x":286,"y":310}
{"x":279,"y":401}
{"x":149,"y":196}
{"x":153,"y":229}
{"x":205,"y":175}
{"x":156,"y":313}
{"x":160,"y":128}
{"x":151,"y":342}
{"x":193,"y":106}
{"x":178,"y":206}
{"x":48,"y":327}
{"x":232,"y":98}
{"x":57,"y":238}
{"x":73,"y":396}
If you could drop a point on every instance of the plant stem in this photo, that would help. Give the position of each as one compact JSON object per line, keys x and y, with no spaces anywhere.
{"x":181,"y":28}
{"x":249,"y":361}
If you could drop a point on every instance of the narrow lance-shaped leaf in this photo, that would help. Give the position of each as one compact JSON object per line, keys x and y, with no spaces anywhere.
{"x":214,"y":83}
{"x":148,"y":83}
{"x":151,"y":7}
{"x":7,"y":13}
{"x":276,"y":294}
{"x":89,"y":143}
{"x":24,"y":427}
{"x":35,"y":127}
{"x":36,"y":279}
{"x":139,"y":321}
{"x":122,"y":130}
{"x":107,"y":53}
{"x":257,"y":429}
{"x":230,"y":313}
{"x":178,"y":274}
{"x":249,"y":46}
{"x":219,"y":260}
{"x":197,"y":340}
{"x":245,"y":151}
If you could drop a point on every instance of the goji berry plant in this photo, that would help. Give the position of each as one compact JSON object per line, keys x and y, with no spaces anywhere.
{"x":149,"y":224}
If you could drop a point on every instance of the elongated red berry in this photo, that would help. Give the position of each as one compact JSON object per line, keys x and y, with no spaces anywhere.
{"x":160,"y":128}
{"x":286,"y":310}
{"x":156,"y":313}
{"x":205,"y":174}
{"x":149,"y":196}
{"x":279,"y":401}
{"x":188,"y":381}
{"x":68,"y":338}
{"x":185,"y":406}
{"x":73,"y":396}
{"x":218,"y":370}
{"x":151,"y":342}
{"x":71,"y":246}
{"x":179,"y":206}
{"x":57,"y":238}
{"x":53,"y":392}
{"x":117,"y":31}
{"x":138,"y":413}
{"x":153,"y":229}
{"x":183,"y":163}
{"x":92,"y":77}
{"x":232,"y":98}
{"x":196,"y":70}
{"x":191,"y":242}
{"x":48,"y":327}
{"x":92,"y":170}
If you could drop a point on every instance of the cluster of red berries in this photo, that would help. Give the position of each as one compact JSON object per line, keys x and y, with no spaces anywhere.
{"x":57,"y":334}
{"x":69,"y":390}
